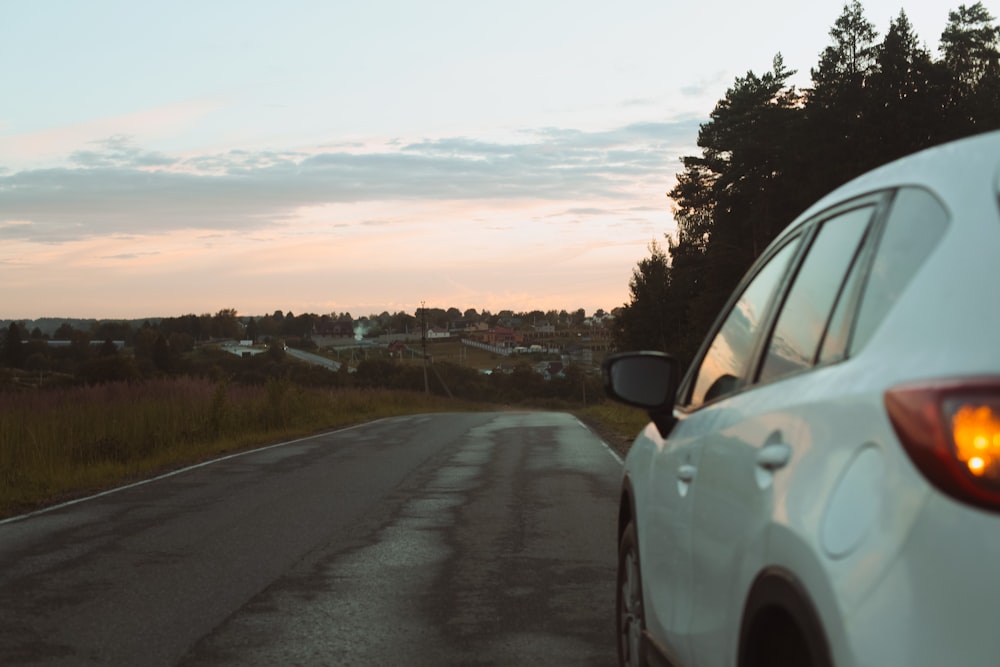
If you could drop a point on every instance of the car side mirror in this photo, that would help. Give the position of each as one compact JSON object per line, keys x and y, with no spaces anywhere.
{"x":646,"y":380}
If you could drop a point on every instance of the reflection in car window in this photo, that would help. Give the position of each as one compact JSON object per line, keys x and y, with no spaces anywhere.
{"x":723,"y":368}
{"x":806,"y":311}
{"x":916,"y":223}
{"x":835,"y":341}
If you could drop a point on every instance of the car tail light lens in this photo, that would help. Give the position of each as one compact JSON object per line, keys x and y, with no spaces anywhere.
{"x":951,"y":431}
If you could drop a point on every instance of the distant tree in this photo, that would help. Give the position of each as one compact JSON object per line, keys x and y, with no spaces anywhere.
{"x":226,"y":324}
{"x":108,"y":348}
{"x":144,"y":341}
{"x":180,"y":342}
{"x":65,"y":331}
{"x":276,"y":351}
{"x":115,"y":330}
{"x":301,"y":326}
{"x":402,"y":322}
{"x":268,"y":326}
{"x":436,"y":317}
{"x":198,"y":327}
{"x":251,"y":330}
{"x":104,"y":369}
{"x":161,"y":354}
{"x":642,"y":323}
{"x":13,"y":347}
{"x":37,"y":361}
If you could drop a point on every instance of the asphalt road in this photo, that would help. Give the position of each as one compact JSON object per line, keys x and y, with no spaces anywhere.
{"x":463,"y":539}
{"x":311,"y":358}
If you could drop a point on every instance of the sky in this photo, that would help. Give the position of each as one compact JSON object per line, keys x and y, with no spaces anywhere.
{"x":164,"y":158}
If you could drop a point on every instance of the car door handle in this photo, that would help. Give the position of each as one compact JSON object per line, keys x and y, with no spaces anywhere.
{"x":774,"y":456}
{"x":686,"y":472}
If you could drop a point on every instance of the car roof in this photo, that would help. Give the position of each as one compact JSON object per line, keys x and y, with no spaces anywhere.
{"x":959,"y":172}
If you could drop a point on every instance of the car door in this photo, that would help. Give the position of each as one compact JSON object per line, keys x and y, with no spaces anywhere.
{"x":672,"y":471}
{"x":750,"y":438}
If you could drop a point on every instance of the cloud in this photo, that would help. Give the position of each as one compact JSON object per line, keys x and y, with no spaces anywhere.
{"x":587,"y":211}
{"x":130,"y":255}
{"x":117,"y":151}
{"x":116,"y":187}
{"x":707,"y":86}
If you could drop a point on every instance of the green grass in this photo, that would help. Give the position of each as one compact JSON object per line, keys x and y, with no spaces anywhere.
{"x":618,"y":424}
{"x":61,"y":443}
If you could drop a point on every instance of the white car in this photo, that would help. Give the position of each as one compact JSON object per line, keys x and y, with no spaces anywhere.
{"x":823,"y":486}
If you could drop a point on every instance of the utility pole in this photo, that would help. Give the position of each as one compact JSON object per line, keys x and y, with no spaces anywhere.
{"x":423,"y":343}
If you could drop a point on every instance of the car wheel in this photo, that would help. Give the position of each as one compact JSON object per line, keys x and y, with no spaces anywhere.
{"x":628,"y":608}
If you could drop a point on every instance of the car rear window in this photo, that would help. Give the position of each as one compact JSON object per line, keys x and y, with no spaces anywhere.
{"x":807,"y":309}
{"x":914,"y":227}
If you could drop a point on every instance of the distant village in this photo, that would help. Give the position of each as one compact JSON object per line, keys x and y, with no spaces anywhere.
{"x":548,"y":342}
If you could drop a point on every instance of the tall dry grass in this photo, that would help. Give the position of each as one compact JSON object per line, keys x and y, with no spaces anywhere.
{"x":58,"y":443}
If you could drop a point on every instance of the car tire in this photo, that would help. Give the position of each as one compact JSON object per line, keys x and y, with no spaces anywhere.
{"x":629,"y":609}
{"x":781,"y":627}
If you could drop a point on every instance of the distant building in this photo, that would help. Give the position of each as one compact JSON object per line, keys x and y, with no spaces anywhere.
{"x":544,"y":328}
{"x":437,"y":333}
{"x":341,"y":327}
{"x":501,"y":337}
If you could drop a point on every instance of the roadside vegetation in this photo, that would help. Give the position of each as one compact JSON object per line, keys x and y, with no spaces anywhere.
{"x":617,"y":424}
{"x":79,"y":418}
{"x":64,"y":442}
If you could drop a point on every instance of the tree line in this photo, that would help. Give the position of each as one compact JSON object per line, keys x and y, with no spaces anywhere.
{"x":770,"y":150}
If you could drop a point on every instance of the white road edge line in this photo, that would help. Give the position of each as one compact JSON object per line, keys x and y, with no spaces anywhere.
{"x":179,"y":471}
{"x":608,"y":447}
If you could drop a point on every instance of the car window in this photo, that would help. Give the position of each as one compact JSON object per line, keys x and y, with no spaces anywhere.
{"x":724,"y":366}
{"x":806,"y":311}
{"x":835,"y":340}
{"x":915,"y":225}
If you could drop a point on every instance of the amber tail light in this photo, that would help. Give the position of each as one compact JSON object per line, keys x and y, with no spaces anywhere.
{"x":951,"y":431}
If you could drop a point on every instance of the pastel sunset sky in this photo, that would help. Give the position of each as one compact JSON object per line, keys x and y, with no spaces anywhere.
{"x":163,"y":158}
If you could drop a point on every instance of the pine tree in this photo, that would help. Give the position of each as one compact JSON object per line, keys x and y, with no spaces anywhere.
{"x":643,"y":323}
{"x":837,"y":126}
{"x":744,"y":188}
{"x":972,"y":64}
{"x":14,"y":353}
{"x":905,"y":93}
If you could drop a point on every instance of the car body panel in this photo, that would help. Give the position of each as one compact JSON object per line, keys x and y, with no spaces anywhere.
{"x":665,"y":550}
{"x":804,"y":475}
